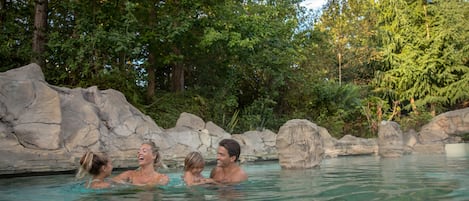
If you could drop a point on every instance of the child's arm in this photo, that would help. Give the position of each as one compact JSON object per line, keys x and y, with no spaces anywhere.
{"x":208,"y":181}
{"x":188,"y":178}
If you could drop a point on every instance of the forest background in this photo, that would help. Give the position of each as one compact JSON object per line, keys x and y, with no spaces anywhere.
{"x":249,"y":65}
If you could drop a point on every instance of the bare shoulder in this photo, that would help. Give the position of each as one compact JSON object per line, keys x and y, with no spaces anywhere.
{"x":240,"y":175}
{"x":215,"y":172}
{"x":161,"y":179}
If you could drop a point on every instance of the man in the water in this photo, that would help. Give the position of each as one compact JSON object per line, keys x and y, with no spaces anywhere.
{"x":227,"y":170}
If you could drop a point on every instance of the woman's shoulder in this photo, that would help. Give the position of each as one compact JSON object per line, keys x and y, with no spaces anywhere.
{"x":161,"y":179}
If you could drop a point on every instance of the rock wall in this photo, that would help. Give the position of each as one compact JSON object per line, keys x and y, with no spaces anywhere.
{"x":47,"y":128}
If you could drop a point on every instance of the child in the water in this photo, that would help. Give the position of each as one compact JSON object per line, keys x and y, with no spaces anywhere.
{"x":193,"y":166}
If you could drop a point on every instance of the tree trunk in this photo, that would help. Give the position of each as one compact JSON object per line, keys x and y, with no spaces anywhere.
{"x":177,"y":78}
{"x":339,"y":57}
{"x":151,"y":75}
{"x":39,"y":37}
{"x":3,"y":11}
{"x":427,"y":26}
{"x":151,"y":68}
{"x":414,"y":107}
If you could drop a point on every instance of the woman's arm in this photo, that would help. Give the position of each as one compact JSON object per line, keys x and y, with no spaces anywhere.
{"x":124,"y":177}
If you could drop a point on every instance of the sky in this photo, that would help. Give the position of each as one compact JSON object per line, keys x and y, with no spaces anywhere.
{"x":313,"y":4}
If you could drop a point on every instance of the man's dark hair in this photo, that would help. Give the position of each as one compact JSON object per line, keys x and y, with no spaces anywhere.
{"x":232,"y":146}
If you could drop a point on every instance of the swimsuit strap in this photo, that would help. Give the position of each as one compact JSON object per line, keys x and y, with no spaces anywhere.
{"x":91,"y":181}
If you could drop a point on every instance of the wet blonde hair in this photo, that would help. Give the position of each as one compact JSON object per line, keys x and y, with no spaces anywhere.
{"x":192,"y":161}
{"x":155,"y":151}
{"x":91,"y":163}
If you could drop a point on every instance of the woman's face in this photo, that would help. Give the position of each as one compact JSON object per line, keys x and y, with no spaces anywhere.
{"x":108,"y":168}
{"x":145,"y":155}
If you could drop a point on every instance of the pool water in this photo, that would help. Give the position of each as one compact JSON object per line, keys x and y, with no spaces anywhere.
{"x":412,"y":177}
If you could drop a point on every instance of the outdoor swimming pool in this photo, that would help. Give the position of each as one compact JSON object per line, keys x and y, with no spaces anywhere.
{"x":412,"y":177}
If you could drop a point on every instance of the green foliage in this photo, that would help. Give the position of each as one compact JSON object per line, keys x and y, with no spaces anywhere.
{"x":352,"y":29}
{"x":336,"y":104}
{"x":16,"y":32}
{"x":414,"y":121}
{"x":465,"y":137}
{"x":256,"y":116}
{"x":326,"y":103}
{"x":94,"y":47}
{"x":165,"y":109}
{"x":233,"y":122}
{"x":424,"y":47}
{"x":256,"y":64}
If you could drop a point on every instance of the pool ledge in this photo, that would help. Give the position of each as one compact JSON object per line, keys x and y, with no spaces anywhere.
{"x":457,"y":150}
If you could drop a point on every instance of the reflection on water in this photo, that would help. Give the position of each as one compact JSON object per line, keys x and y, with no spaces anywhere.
{"x":412,"y":177}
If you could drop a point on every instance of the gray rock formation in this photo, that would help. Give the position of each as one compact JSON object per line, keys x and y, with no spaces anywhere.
{"x":390,"y":140}
{"x":257,"y":145}
{"x":443,"y":129}
{"x":47,"y":128}
{"x":350,"y":145}
{"x":299,"y":145}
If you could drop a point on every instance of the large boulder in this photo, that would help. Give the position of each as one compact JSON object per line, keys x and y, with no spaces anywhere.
{"x":191,"y":121}
{"x":299,"y":144}
{"x":390,"y":140}
{"x":30,"y":108}
{"x":446,"y":128}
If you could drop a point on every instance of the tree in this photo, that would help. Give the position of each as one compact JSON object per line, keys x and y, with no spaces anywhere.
{"x":425,"y":49}
{"x":40,"y":29}
{"x":352,"y":27}
{"x":16,"y":32}
{"x":94,"y":43}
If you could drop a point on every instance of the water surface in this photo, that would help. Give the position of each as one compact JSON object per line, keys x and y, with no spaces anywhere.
{"x":413,"y":177}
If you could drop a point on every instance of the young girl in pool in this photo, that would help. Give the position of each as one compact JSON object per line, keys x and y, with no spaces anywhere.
{"x":193,"y":166}
{"x":98,"y":166}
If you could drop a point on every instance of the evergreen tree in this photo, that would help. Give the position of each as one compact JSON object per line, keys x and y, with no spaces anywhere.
{"x":425,"y":51}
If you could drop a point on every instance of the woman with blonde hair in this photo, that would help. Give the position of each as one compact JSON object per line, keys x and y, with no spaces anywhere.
{"x":148,"y":159}
{"x":98,"y":166}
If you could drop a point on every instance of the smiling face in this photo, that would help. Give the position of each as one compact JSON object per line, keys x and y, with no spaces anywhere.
{"x":145,"y":155}
{"x":223,"y":158}
{"x":197,"y":169}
